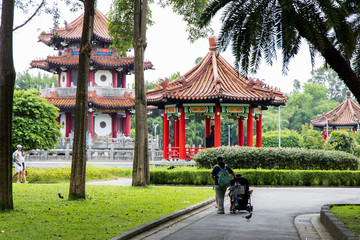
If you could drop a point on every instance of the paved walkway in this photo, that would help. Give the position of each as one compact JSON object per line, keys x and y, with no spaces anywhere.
{"x":279,"y":213}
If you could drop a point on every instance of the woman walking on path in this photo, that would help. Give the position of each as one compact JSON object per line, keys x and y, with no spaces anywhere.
{"x":220,"y":174}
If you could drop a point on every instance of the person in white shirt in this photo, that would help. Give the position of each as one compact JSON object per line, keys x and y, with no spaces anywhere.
{"x":17,"y":163}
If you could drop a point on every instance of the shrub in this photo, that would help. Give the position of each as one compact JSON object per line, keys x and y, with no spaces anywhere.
{"x":310,"y":138}
{"x":191,"y":176}
{"x":277,"y":158}
{"x":340,"y":141}
{"x":289,"y":138}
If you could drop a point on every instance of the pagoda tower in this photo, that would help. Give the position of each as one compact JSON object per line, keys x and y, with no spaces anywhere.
{"x":110,"y":100}
{"x":345,"y":117}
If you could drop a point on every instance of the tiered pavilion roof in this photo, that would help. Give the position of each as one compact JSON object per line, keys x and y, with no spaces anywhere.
{"x":71,"y":33}
{"x":346,"y":114}
{"x":213,"y":79}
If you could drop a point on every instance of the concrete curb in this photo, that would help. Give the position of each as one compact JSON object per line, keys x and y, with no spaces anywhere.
{"x":333,"y":225}
{"x":147,"y":226}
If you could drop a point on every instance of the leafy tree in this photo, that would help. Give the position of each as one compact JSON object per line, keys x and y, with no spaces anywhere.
{"x":34,"y":121}
{"x":255,"y":29}
{"x":302,"y":107}
{"x":151,"y":85}
{"x":297,"y":86}
{"x":195,"y":132}
{"x":310,"y":138}
{"x":330,"y":79}
{"x":271,"y":119}
{"x":78,"y":162}
{"x":25,"y":81}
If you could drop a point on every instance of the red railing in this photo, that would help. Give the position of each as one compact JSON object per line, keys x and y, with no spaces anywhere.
{"x":174,"y":152}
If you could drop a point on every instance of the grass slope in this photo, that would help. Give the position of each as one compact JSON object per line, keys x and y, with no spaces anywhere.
{"x":350,"y":216}
{"x":108,"y":210}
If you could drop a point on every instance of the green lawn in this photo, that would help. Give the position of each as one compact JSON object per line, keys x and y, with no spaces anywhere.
{"x":39,"y":213}
{"x":350,"y":216}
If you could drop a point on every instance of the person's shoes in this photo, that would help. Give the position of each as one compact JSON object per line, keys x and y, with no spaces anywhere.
{"x":17,"y":182}
{"x":26,"y":182}
{"x":220,"y":212}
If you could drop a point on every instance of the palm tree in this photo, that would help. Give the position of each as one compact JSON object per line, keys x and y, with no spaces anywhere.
{"x":257,"y":28}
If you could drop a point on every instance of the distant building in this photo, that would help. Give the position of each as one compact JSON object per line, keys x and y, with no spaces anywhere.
{"x":110,"y":100}
{"x":345,"y":117}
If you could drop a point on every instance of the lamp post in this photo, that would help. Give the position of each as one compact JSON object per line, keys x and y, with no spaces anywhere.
{"x":327,"y":125}
{"x":229,"y":126}
{"x":279,"y":129}
{"x":155,"y":125}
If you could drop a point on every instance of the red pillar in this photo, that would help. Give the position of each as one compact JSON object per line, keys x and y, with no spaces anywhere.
{"x":124,"y":79}
{"x":240,"y":131}
{"x":165,"y":136}
{"x":114,"y":80}
{"x":207,"y":126}
{"x":92,"y":124}
{"x":217,"y":135}
{"x":176,"y":133}
{"x":91,"y":78}
{"x":68,"y":124}
{"x":68,"y":78}
{"x":259,"y":131}
{"x":114,"y":125}
{"x":182,"y":150}
{"x":249,"y":135}
{"x":128,"y":123}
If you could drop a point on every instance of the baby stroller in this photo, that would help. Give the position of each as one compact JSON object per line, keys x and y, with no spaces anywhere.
{"x":240,"y":194}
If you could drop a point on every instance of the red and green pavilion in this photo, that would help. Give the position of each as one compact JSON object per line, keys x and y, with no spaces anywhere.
{"x":211,"y":90}
{"x":345,"y":117}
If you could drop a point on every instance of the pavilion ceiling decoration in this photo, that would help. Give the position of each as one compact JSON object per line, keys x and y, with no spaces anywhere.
{"x":235,"y":111}
{"x":199,"y":110}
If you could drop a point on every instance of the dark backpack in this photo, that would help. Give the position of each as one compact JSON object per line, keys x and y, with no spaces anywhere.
{"x":224,"y":178}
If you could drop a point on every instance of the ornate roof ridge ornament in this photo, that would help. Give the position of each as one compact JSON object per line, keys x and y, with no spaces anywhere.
{"x":165,"y":83}
{"x":250,"y":83}
{"x":212,"y":43}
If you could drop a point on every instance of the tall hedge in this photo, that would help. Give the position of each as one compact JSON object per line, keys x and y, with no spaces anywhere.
{"x":277,"y":158}
{"x":288,"y":138}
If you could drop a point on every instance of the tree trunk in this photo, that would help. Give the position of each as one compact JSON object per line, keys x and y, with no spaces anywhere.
{"x":141,"y":173}
{"x":78,"y":164}
{"x":7,"y":81}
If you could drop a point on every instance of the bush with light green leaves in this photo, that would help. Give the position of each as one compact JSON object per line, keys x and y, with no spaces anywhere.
{"x":310,"y":138}
{"x":289,"y":138}
{"x":34,"y":124}
{"x":341,"y":141}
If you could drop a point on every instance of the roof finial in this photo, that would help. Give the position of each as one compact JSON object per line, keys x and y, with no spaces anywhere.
{"x":348,"y":94}
{"x":212,"y":43}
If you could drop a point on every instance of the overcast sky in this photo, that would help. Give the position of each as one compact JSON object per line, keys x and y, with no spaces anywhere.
{"x":168,"y":48}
